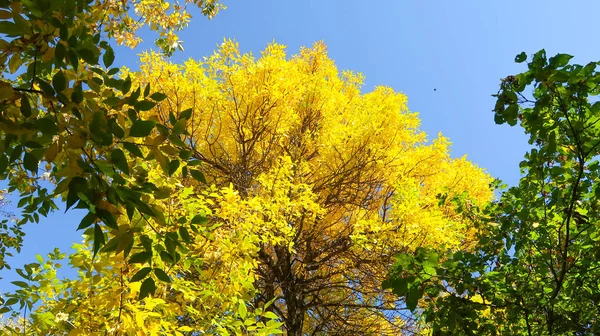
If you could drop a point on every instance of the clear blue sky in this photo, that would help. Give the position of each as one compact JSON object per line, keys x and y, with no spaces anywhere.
{"x":459,"y":48}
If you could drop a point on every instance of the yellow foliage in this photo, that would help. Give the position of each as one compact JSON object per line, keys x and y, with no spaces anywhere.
{"x":331,"y":182}
{"x":313,"y":188}
{"x":122,"y":19}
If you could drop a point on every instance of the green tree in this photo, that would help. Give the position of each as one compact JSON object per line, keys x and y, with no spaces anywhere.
{"x":536,"y":267}
{"x":68,"y":118}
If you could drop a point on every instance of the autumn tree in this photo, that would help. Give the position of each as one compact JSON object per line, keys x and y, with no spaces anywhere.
{"x":534,"y":271}
{"x":333,"y":183}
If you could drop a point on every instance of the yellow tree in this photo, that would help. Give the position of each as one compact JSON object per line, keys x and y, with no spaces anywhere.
{"x":312,"y":188}
{"x":332,"y":182}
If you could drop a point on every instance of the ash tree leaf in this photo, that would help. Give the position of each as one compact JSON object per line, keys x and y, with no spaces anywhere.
{"x":148,"y":288}
{"x":141,"y":274}
{"x":141,"y":128}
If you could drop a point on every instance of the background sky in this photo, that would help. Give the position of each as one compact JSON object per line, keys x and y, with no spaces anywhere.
{"x":446,"y":56}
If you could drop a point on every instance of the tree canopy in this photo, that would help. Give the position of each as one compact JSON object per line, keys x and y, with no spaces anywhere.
{"x":535,"y":267}
{"x":269,"y":194}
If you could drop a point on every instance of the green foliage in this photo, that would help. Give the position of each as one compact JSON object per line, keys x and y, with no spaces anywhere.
{"x":537,"y":261}
{"x":71,"y":121}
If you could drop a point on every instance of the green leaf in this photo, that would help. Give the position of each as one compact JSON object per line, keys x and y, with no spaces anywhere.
{"x":161,"y":275}
{"x":98,"y":238}
{"x":88,"y":54}
{"x":148,"y":287}
{"x":179,"y":126}
{"x":119,"y":160}
{"x":199,"y":219}
{"x":47,"y":126}
{"x":144,"y":105}
{"x":3,"y":163}
{"x":173,"y":165}
{"x":10,"y":29}
{"x":196,"y":174}
{"x":412,"y":298}
{"x":511,"y":113}
{"x":126,"y":85}
{"x":59,"y":81}
{"x":30,"y":162}
{"x":116,"y":129}
{"x":185,"y":155}
{"x":520,"y":58}
{"x":242,"y":309}
{"x":186,"y":114}
{"x":46,"y":88}
{"x":133,"y":149}
{"x":59,"y":53}
{"x":141,"y":274}
{"x":158,"y":96}
{"x":140,"y":257}
{"x":109,"y":57}
{"x":87,"y":221}
{"x":25,"y":106}
{"x":133,"y":98}
{"x":21,"y":284}
{"x":560,"y":60}
{"x":107,"y":218}
{"x":184,"y":234}
{"x":166,"y":257}
{"x":147,"y":90}
{"x":77,"y":94}
{"x":141,"y":128}
{"x":15,"y":63}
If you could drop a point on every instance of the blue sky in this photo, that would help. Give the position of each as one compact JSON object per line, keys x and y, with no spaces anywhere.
{"x":459,"y":48}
